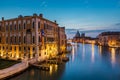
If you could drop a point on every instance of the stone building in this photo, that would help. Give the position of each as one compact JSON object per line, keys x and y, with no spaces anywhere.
{"x":62,"y":40}
{"x":83,"y":39}
{"x":111,"y":39}
{"x":29,"y":37}
{"x":77,"y":37}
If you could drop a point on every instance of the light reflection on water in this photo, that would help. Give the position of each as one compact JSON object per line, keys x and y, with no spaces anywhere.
{"x":73,"y":52}
{"x":92,"y":53}
{"x":83,"y":51}
{"x":87,"y":62}
{"x":113,"y":56}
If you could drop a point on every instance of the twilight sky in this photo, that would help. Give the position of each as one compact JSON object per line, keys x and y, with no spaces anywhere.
{"x":78,"y":14}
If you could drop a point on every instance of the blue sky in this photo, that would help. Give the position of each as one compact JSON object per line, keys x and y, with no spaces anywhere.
{"x":78,"y":14}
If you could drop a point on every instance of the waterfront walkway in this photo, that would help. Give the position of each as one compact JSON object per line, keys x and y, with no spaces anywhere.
{"x":4,"y":73}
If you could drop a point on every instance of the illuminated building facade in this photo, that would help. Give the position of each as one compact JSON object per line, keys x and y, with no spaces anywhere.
{"x":111,"y":39}
{"x":28,"y":37}
{"x":62,"y":40}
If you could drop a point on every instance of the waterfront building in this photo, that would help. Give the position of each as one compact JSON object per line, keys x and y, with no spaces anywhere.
{"x":77,"y":37}
{"x":62,"y":40}
{"x":30,"y":37}
{"x":83,"y":39}
{"x":111,"y":39}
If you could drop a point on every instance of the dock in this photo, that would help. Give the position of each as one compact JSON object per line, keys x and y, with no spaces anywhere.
{"x":65,"y":59}
{"x":54,"y":61}
{"x":44,"y":67}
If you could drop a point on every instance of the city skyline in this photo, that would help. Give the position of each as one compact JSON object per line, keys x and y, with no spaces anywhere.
{"x":77,"y":14}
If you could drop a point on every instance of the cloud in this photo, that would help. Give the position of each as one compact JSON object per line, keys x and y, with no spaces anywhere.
{"x":93,"y":32}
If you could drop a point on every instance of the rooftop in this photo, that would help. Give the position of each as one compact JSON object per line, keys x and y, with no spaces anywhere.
{"x":109,"y":33}
{"x":34,"y":15}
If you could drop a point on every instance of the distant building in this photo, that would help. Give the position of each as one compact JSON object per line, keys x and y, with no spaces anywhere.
{"x":111,"y":39}
{"x":30,"y":37}
{"x":77,"y":37}
{"x":83,"y":39}
{"x":83,"y":35}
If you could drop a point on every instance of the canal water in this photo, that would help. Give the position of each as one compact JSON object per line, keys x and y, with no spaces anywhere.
{"x":87,"y":62}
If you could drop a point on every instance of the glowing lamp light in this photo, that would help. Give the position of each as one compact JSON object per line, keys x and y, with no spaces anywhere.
{"x":17,"y":56}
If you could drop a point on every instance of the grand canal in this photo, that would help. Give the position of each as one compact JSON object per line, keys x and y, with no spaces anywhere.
{"x":87,"y":62}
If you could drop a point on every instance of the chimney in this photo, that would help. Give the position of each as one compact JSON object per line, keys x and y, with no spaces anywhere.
{"x":34,"y":14}
{"x":55,"y":21}
{"x":2,"y":18}
{"x":41,"y":15}
{"x":20,"y":16}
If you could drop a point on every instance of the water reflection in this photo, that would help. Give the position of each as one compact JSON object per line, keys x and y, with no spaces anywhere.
{"x":113,"y":58}
{"x":73,"y":53}
{"x":83,"y":51}
{"x":100,"y":49}
{"x":53,"y":68}
{"x":36,"y":74}
{"x":93,"y":48}
{"x":104,"y":59}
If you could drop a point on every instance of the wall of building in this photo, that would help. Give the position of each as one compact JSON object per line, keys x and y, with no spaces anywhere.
{"x":29,"y":37}
{"x":111,"y":39}
{"x":62,"y":40}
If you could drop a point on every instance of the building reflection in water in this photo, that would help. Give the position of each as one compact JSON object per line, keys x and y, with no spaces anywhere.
{"x":53,"y":68}
{"x":83,"y":51}
{"x":32,"y":73}
{"x":109,"y":54}
{"x":73,"y":53}
{"x":113,"y":58}
{"x":37,"y":74}
{"x":100,"y":50}
{"x":93,"y":53}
